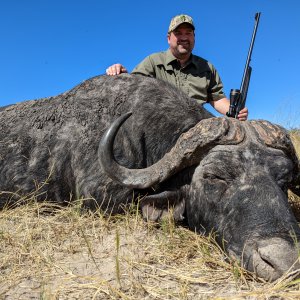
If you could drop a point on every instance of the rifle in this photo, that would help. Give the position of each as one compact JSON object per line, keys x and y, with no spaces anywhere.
{"x":238,"y":97}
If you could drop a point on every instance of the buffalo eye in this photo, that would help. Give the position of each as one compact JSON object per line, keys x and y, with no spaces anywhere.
{"x":213,"y":177}
{"x":214,"y":186}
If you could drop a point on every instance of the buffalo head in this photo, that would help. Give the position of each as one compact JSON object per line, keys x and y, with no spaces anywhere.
{"x":238,"y":176}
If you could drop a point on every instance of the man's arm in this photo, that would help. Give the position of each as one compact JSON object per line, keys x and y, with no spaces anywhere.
{"x":222,"y":106}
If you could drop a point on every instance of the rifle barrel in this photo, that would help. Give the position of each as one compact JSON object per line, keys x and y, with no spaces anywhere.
{"x":242,"y":89}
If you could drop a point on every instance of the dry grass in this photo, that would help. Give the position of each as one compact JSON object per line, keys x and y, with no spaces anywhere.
{"x":294,"y":199}
{"x":295,"y":136}
{"x":49,"y":252}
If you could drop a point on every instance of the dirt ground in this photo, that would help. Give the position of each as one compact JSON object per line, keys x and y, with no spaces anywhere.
{"x":64,"y":253}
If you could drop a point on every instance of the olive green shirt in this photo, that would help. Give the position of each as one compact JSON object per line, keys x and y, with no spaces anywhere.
{"x":199,"y":79}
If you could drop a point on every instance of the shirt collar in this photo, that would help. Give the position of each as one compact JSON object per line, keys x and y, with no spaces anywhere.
{"x":170,"y":58}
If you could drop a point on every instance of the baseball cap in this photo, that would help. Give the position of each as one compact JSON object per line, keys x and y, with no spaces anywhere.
{"x":178,"y":20}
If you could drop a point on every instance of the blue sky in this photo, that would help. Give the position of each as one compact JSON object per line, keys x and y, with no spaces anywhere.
{"x":49,"y":46}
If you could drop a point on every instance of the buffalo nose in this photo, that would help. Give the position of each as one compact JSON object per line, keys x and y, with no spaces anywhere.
{"x":273,"y":258}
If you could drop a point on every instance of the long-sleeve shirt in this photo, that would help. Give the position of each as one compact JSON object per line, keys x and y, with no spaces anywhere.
{"x":198,"y":78}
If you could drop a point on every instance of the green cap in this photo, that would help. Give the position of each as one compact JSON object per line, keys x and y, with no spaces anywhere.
{"x":180,"y":19}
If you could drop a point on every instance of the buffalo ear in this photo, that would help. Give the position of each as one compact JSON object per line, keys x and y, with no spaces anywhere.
{"x":277,"y":137}
{"x":163,"y":205}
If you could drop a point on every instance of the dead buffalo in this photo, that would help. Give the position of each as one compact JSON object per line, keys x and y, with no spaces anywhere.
{"x":219,"y":174}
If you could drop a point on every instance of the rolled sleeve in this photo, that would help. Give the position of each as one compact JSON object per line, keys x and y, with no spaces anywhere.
{"x":145,"y":67}
{"x":215,"y":89}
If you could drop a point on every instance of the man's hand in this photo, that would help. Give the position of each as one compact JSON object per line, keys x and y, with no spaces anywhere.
{"x":116,"y":69}
{"x":243,"y":114}
{"x":222,"y":106}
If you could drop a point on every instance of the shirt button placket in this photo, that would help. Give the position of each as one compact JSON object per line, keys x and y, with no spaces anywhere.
{"x":183,"y":82}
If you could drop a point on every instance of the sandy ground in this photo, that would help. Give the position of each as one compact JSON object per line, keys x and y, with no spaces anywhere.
{"x":70,"y":254}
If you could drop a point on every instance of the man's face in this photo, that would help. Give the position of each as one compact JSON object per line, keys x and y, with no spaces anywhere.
{"x":182,"y":41}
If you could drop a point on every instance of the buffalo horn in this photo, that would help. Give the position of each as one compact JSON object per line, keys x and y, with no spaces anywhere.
{"x":188,"y":150}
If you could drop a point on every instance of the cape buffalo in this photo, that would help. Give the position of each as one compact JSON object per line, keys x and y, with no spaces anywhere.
{"x":219,"y":174}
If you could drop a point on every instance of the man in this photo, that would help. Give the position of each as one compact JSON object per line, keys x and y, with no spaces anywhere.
{"x":194,"y":75}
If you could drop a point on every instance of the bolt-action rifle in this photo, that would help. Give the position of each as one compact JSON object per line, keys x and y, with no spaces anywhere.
{"x":238,"y":97}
